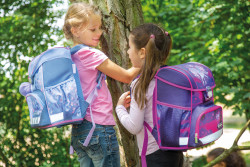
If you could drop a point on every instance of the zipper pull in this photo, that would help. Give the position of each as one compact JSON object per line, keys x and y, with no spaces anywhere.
{"x":196,"y":138}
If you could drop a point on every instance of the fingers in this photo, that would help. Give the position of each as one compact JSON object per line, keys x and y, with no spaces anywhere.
{"x":124,"y":95}
{"x":128,"y":98}
{"x":124,"y":99}
{"x":127,"y":101}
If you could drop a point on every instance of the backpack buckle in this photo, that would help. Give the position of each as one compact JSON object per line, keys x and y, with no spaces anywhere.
{"x":208,"y":94}
{"x":99,"y":79}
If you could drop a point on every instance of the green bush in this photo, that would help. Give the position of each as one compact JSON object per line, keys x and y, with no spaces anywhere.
{"x":199,"y":162}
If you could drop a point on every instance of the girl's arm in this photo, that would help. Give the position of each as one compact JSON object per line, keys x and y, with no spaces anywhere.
{"x":118,"y":73}
{"x":132,"y":121}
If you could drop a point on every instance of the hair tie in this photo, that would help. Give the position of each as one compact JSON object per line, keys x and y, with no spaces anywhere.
{"x":152,"y":36}
{"x":166,"y":33}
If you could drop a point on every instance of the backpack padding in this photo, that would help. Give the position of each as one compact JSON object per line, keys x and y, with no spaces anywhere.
{"x":46,"y":56}
{"x":54,"y":72}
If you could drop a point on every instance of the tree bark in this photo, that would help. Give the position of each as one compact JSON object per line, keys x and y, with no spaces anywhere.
{"x":119,"y":17}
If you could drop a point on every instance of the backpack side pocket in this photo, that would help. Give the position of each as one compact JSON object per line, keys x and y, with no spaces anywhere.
{"x":37,"y":109}
{"x":173,"y":127}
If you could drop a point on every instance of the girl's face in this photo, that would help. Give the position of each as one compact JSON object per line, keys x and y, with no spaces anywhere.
{"x":136,"y":56}
{"x":89,"y":33}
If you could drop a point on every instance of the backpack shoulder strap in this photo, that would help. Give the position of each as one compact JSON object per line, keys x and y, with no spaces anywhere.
{"x":145,"y":144}
{"x":90,"y":98}
{"x":77,"y":48}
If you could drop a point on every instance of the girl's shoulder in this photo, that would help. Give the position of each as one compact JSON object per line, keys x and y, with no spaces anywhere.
{"x":150,"y":90}
{"x":92,"y":50}
{"x":150,"y":87}
{"x":87,"y":51}
{"x":133,"y":82}
{"x":151,"y":84}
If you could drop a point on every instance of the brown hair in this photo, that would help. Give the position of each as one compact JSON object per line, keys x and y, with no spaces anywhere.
{"x":234,"y":159}
{"x":158,"y":44}
{"x":77,"y":15}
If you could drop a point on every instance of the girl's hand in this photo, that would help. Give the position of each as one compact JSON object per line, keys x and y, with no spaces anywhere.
{"x":124,"y":99}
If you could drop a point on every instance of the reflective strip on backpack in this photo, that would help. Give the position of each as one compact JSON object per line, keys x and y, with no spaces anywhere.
{"x":183,"y":141}
{"x":211,"y":137}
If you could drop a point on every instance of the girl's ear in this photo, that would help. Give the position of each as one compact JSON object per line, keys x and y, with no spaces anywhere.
{"x":74,"y":31}
{"x":142,"y":53}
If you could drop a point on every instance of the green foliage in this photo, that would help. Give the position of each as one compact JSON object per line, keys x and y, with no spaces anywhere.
{"x":247,"y":158}
{"x":27,"y":28}
{"x":200,"y":161}
{"x":215,"y":33}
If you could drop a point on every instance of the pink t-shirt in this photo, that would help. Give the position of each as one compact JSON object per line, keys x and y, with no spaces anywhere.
{"x":86,"y":60}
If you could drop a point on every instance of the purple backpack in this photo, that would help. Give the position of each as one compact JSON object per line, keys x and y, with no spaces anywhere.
{"x":184,"y":113}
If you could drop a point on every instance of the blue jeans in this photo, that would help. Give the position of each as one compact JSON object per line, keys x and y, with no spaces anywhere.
{"x":103,"y":148}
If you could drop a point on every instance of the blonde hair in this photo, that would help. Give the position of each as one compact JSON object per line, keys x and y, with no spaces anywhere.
{"x":158,"y":44}
{"x":77,"y":15}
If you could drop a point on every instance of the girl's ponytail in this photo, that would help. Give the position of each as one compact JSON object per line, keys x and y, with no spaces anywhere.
{"x":157,"y":48}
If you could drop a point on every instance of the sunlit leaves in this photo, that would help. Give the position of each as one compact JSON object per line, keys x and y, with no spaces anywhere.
{"x":215,"y":33}
{"x":27,"y":27}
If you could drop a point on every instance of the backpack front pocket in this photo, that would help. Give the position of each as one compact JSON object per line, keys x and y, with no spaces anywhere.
{"x":37,"y":108}
{"x":206,"y":124}
{"x":63,"y":102}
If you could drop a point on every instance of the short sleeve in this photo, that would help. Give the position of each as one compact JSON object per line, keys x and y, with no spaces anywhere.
{"x":91,"y":58}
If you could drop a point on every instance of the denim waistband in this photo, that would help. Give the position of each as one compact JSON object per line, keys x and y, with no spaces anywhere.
{"x":88,"y":123}
{"x":85,"y":126}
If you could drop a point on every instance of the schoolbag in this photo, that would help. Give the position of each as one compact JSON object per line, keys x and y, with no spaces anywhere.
{"x":55,"y":97}
{"x":184,"y":113}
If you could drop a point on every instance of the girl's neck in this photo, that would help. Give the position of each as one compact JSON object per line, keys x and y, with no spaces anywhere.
{"x":75,"y":43}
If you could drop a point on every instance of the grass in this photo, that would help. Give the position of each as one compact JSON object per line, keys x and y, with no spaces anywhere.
{"x":247,"y":158}
{"x":234,"y":125}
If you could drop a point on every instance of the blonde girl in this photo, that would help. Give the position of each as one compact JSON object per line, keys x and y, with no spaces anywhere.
{"x":83,"y":26}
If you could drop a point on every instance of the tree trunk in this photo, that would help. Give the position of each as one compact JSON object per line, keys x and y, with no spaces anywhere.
{"x":119,"y":17}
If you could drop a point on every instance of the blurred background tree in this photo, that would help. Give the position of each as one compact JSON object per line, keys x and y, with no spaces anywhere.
{"x":215,"y":33}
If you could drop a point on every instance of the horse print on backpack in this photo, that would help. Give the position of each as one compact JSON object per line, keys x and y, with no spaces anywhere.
{"x":184,"y":112}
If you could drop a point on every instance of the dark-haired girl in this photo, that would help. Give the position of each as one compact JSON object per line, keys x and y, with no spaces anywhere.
{"x":149,"y":48}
